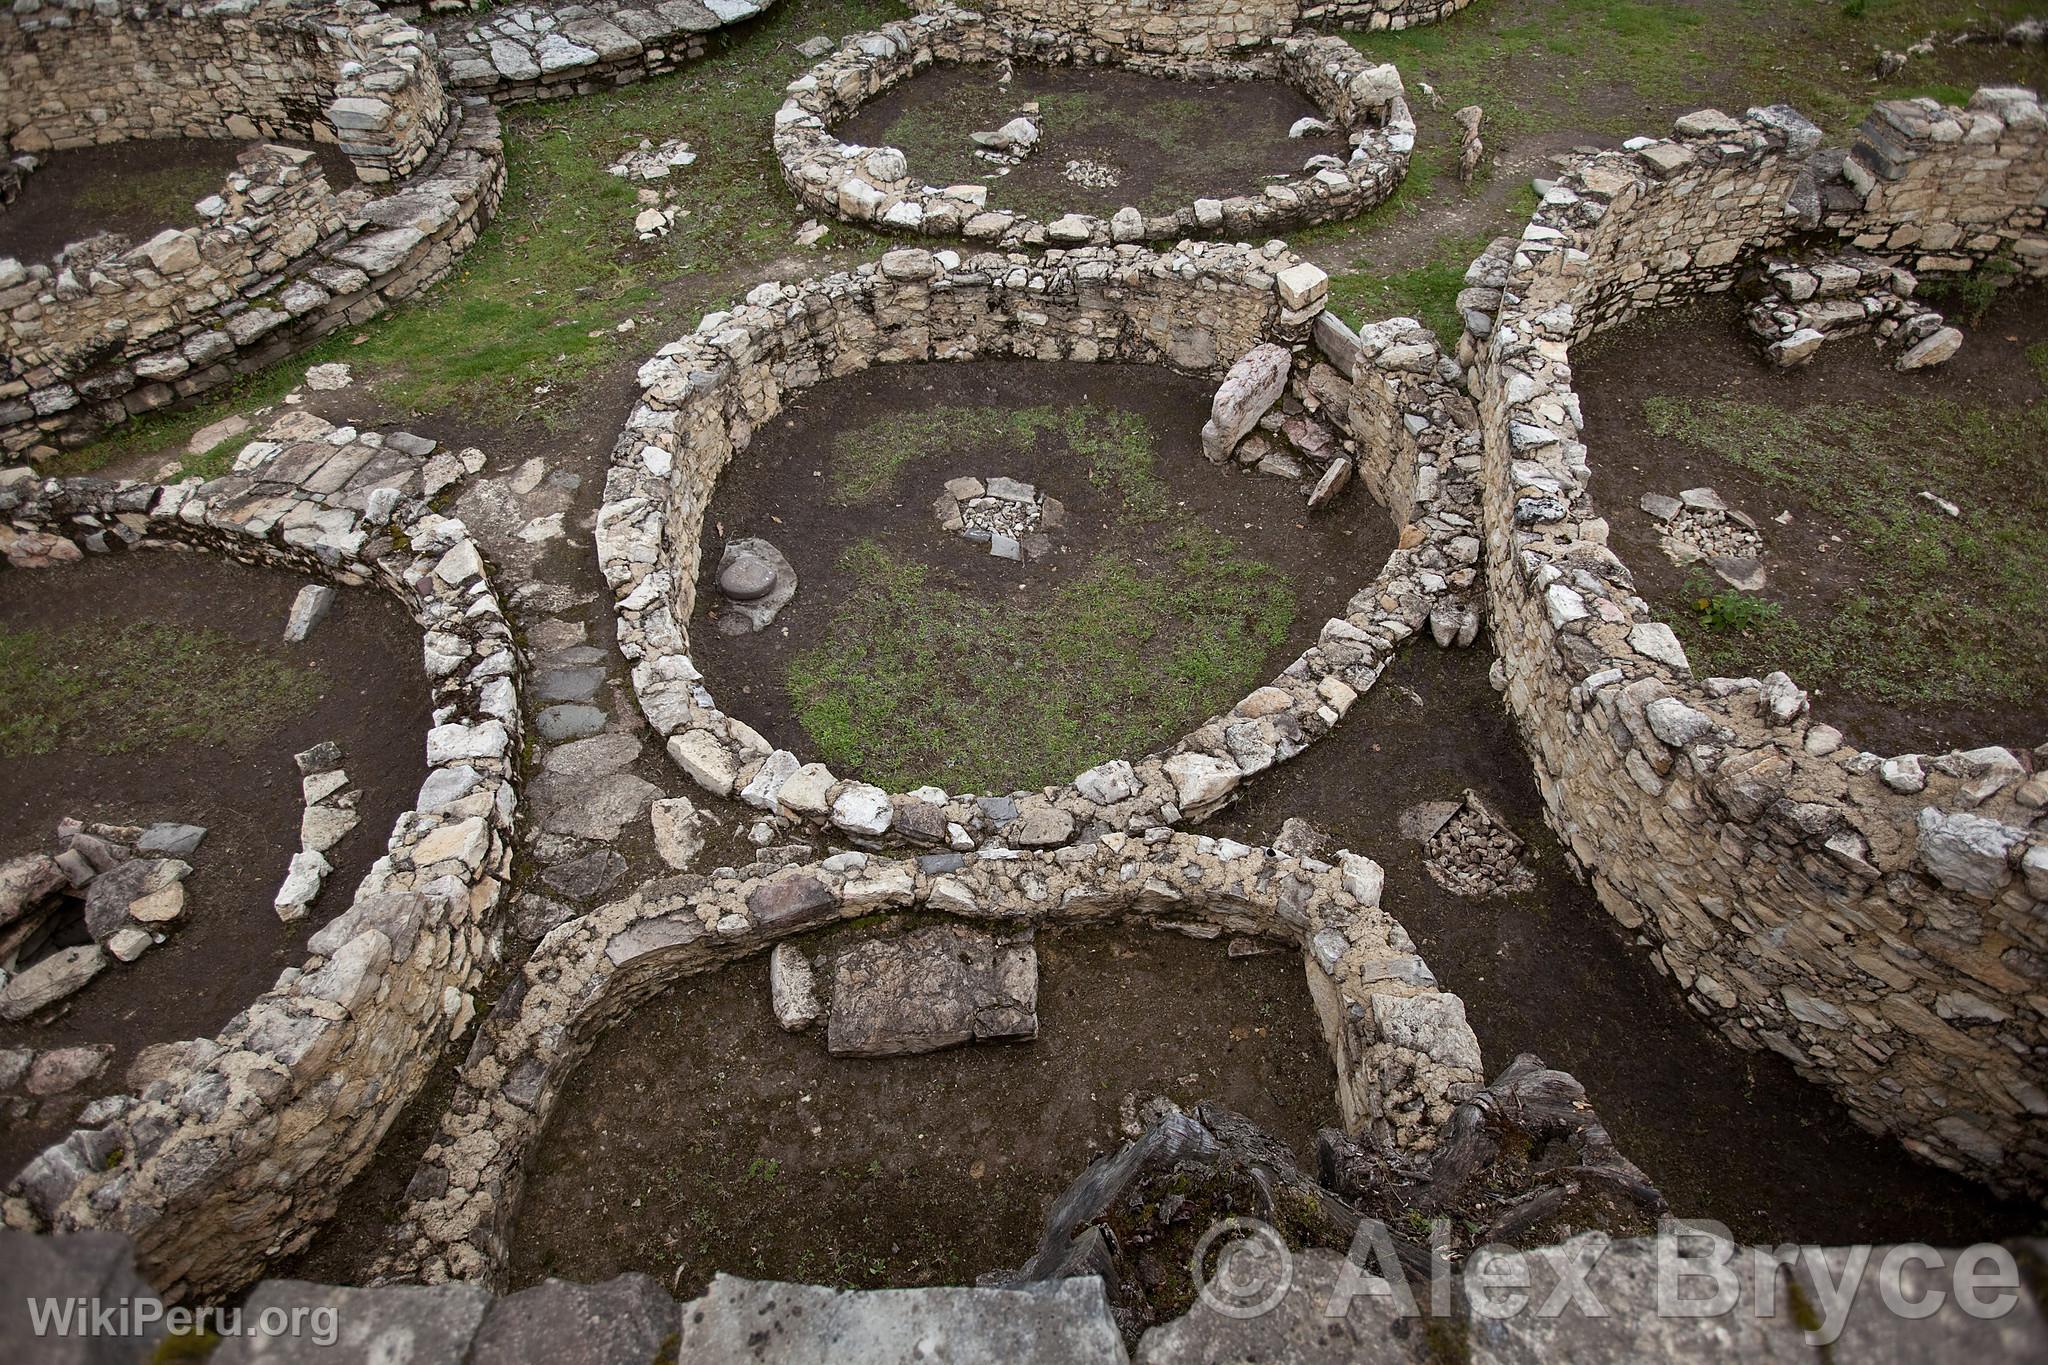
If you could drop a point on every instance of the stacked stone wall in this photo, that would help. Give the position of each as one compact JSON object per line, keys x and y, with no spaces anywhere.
{"x":535,"y":52}
{"x":1878,"y":921}
{"x":1169,"y":33}
{"x":1404,"y":1053}
{"x":282,"y":261}
{"x":84,"y":72}
{"x":246,"y":1146}
{"x":1198,"y":309}
{"x":877,"y":186}
{"x":1377,"y":15}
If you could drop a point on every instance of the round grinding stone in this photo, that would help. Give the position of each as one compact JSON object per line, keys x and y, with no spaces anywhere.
{"x":747,"y":579}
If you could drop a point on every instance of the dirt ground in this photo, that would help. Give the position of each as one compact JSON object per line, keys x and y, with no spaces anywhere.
{"x":1725,"y":1133}
{"x":701,"y":1137}
{"x":136,"y":189}
{"x":1562,"y":982}
{"x":230,"y":946}
{"x":1704,"y":352}
{"x":1166,"y":142}
{"x":778,"y":489}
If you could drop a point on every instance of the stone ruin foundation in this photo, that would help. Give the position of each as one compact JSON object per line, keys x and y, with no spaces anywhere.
{"x":108,"y":894}
{"x":1789,"y":883}
{"x":1716,"y":816}
{"x":875,"y":185}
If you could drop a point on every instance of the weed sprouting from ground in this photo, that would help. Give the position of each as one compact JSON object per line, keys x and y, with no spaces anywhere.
{"x":142,"y":686}
{"x":1727,"y":609}
{"x":1954,"y":614}
{"x":1967,"y":298}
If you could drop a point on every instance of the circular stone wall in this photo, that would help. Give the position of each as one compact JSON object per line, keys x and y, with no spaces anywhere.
{"x":283,"y":257}
{"x":82,"y":72}
{"x":1169,"y":33}
{"x":874,"y":185}
{"x":1198,"y":310}
{"x":1403,"y":1052}
{"x":1878,"y":921}
{"x":244,"y":1148}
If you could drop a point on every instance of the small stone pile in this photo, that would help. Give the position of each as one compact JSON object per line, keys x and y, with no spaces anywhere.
{"x":1467,"y":849}
{"x":109,"y":893}
{"x":1798,"y":303}
{"x":649,"y":162}
{"x":1094,"y":175}
{"x":1009,"y":516}
{"x":1010,"y":144}
{"x":1698,"y":526}
{"x":1257,"y":421}
{"x":756,"y":581}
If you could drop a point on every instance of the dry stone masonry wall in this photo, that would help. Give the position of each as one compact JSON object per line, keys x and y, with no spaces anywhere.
{"x":1404,"y":1054}
{"x":282,"y":260}
{"x":876,"y":185}
{"x":1195,"y":309}
{"x":1168,"y":33}
{"x":1878,"y":920}
{"x":1797,"y":303}
{"x":236,"y":1155}
{"x":84,"y":72}
{"x":530,"y":52}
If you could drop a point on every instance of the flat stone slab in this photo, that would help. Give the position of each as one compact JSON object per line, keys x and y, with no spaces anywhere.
{"x":421,"y":1325}
{"x":623,"y":1319}
{"x":932,"y":988}
{"x":1066,"y":1322}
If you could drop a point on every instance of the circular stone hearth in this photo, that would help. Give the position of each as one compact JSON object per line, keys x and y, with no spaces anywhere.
{"x":1008,"y":516}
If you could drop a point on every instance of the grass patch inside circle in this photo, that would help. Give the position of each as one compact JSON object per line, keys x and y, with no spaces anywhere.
{"x":919,"y":681}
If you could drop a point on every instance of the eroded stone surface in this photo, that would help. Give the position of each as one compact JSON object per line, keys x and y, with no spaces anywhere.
{"x":931,"y":988}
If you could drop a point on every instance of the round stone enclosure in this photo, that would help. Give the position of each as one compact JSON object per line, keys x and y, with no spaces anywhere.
{"x":1389,"y":390}
{"x":877,"y":185}
{"x":1402,"y":1051}
{"x":282,"y":256}
{"x":245,"y":1145}
{"x":1171,"y":36}
{"x":1716,"y":815}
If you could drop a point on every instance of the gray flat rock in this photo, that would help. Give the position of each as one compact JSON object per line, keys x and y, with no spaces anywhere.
{"x":932,"y":988}
{"x":588,"y":877}
{"x":412,"y":1324}
{"x":592,"y":757}
{"x":68,"y":1266}
{"x":568,"y":720}
{"x":556,"y":1323}
{"x":171,"y":841}
{"x":1297,"y":1330}
{"x":1063,"y":1323}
